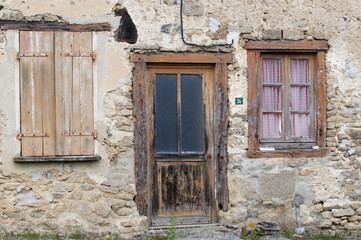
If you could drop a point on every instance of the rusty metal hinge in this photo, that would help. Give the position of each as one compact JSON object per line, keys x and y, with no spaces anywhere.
{"x":92,"y":55}
{"x":19,"y":136}
{"x":94,"y":134}
{"x":31,"y":55}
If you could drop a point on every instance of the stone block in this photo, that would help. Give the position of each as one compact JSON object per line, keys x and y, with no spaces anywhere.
{"x":34,"y":18}
{"x":27,"y":197}
{"x":272,"y":34}
{"x":102,"y":209}
{"x":326,"y":215}
{"x":355,"y":205}
{"x":108,"y":189}
{"x":354,"y":133}
{"x":358,"y":211}
{"x":344,"y":203}
{"x":50,"y":18}
{"x":63,"y":187}
{"x":84,"y":210}
{"x":191,"y":8}
{"x":87,"y":187}
{"x":94,"y":197}
{"x":12,"y":15}
{"x":171,"y":28}
{"x":343,"y":212}
{"x":293,"y":34}
{"x":278,"y":186}
{"x":352,"y":226}
{"x":331,"y":204}
{"x":354,"y":218}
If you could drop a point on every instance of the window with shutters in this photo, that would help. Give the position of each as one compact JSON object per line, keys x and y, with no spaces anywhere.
{"x":286,"y":99}
{"x":56,"y":94}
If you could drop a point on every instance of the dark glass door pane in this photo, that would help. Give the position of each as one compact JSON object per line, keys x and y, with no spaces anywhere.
{"x":166,"y":113}
{"x":192,"y":113}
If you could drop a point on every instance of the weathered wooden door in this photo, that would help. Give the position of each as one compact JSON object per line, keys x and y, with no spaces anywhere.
{"x":181,"y":145}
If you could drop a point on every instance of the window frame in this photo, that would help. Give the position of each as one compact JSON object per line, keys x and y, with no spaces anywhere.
{"x":261,"y":148}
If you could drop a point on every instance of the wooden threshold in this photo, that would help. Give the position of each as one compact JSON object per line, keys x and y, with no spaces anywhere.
{"x":184,"y":220}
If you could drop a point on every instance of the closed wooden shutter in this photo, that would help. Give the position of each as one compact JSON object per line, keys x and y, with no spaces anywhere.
{"x":37,"y":93}
{"x":74,"y":93}
{"x":56,"y":84}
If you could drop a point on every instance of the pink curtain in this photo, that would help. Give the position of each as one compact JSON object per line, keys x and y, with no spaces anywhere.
{"x":300,"y":98}
{"x":271,"y":98}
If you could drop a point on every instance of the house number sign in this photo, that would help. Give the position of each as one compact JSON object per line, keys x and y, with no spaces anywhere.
{"x":239,"y":101}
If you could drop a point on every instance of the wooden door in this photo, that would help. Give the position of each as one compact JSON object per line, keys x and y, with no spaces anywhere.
{"x":181,"y":145}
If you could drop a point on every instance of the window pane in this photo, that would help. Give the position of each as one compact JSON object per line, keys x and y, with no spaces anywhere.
{"x":271,"y":125}
{"x":192,"y":113}
{"x":271,"y":70}
{"x":271,"y":98}
{"x":166,"y":113}
{"x":299,"y":71}
{"x":300,"y":124}
{"x":300,"y":98}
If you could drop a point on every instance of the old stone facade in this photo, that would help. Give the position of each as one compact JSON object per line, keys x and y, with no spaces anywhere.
{"x":99,"y":196}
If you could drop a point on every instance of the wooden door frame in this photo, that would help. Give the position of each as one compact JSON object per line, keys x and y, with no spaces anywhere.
{"x":142,"y":131}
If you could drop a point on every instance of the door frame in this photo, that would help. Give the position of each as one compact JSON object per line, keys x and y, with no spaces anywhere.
{"x":143,"y":132}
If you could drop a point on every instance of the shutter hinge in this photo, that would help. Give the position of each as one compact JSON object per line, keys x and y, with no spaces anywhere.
{"x":94,"y":134}
{"x":19,"y":136}
{"x":31,"y":55}
{"x":92,"y":55}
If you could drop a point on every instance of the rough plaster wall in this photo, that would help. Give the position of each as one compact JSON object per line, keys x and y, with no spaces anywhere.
{"x":99,"y":196}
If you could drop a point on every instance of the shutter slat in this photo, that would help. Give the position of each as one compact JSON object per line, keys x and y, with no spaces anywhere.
{"x":45,"y":72}
{"x":59,"y":100}
{"x":66,"y":79}
{"x":86,"y":94}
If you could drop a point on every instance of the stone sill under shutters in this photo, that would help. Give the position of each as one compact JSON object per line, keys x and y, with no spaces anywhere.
{"x":58,"y":159}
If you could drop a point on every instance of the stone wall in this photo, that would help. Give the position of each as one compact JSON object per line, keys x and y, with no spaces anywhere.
{"x":99,"y":196}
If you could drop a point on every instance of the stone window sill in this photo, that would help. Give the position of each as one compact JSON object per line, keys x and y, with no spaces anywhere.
{"x":288,"y":153}
{"x":57,"y":159}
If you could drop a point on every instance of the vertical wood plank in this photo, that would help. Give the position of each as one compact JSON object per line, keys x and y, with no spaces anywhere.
{"x":75,"y":97}
{"x":140,"y":137}
{"x":45,"y":72}
{"x":86,"y":95}
{"x":321,"y":99}
{"x":66,"y":82}
{"x":253,"y":59}
{"x":59,"y":94}
{"x":221,"y":132}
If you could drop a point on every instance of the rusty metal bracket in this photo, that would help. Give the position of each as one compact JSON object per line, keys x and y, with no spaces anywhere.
{"x":94,"y":134}
{"x":31,"y":55}
{"x":92,"y":55}
{"x":19,"y":136}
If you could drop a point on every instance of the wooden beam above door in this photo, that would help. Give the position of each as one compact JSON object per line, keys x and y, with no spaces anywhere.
{"x":181,"y":57}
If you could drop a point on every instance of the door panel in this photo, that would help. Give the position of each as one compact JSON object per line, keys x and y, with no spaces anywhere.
{"x":181,"y":162}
